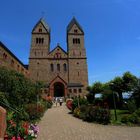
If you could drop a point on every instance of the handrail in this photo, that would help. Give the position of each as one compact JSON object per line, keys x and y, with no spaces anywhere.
{"x":17,"y":111}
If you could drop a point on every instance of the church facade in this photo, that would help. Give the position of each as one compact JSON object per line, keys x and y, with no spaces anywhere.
{"x":63,"y":72}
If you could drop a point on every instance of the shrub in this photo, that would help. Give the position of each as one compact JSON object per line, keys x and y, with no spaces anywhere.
{"x":134,"y":118}
{"x":35,"y":111}
{"x":99,"y":115}
{"x":76,"y":112}
{"x":80,"y":101}
{"x":125,"y":119}
{"x":93,"y":114}
{"x":131,"y":106}
{"x":138,"y":112}
{"x":49,"y":104}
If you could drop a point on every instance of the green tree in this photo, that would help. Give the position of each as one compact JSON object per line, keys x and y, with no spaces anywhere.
{"x":136,"y":94}
{"x":97,"y":87}
{"x":117,"y":85}
{"x":129,"y":81}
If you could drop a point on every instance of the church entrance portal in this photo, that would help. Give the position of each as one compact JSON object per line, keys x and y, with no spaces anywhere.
{"x":58,"y":89}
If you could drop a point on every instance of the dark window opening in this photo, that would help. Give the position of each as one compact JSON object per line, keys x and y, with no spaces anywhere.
{"x":75,"y":90}
{"x":58,"y":67}
{"x":5,"y":56}
{"x":52,"y":68}
{"x":75,"y":31}
{"x":80,"y":90}
{"x":76,"y":40}
{"x":40,"y":30}
{"x":39,"y":40}
{"x":65,"y":67}
{"x":36,"y":40}
{"x":42,"y":40}
{"x":70,"y":90}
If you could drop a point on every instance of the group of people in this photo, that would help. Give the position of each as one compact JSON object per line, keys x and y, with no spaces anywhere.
{"x":58,"y":100}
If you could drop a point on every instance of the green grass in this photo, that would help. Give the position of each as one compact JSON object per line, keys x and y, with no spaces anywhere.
{"x":120,"y":113}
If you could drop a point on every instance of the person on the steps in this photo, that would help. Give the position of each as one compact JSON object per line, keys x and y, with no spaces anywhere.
{"x":61,"y":101}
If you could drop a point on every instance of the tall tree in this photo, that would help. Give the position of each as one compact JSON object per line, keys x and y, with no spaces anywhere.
{"x":117,"y":85}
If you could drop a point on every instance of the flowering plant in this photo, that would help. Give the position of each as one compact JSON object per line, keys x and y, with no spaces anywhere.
{"x":33,"y":130}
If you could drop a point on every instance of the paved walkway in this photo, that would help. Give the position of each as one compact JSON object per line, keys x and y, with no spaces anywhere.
{"x":57,"y":124}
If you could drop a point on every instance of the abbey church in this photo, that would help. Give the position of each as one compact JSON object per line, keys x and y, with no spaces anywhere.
{"x":63,"y":72}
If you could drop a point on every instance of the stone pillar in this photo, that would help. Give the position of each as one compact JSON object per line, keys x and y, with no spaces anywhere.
{"x":2,"y":122}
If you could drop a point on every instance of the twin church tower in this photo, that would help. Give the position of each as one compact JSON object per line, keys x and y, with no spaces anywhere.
{"x":65,"y":73}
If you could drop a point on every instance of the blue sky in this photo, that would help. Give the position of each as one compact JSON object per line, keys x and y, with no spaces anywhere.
{"x":112,"y":31}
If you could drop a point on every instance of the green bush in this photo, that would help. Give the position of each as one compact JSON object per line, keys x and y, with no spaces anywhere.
{"x":131,"y":106}
{"x":138,"y":112}
{"x":76,"y":112}
{"x":80,"y":101}
{"x":91,"y":113}
{"x":124,"y":118}
{"x":49,"y":104}
{"x":134,"y":118}
{"x":35,"y":111}
{"x":100,"y":115}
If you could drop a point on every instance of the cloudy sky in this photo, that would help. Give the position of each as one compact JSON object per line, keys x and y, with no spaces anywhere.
{"x":112,"y":31}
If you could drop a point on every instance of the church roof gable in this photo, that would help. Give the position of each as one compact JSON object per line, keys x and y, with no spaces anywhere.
{"x":72,"y":22}
{"x":57,"y":53}
{"x":44,"y":24}
{"x":58,"y":48}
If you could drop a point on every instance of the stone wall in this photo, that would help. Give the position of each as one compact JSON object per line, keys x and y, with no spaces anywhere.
{"x":10,"y":61}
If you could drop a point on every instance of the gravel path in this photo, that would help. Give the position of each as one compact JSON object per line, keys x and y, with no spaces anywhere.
{"x":57,"y":124}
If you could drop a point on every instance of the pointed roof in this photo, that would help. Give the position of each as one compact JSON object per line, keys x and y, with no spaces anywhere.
{"x":45,"y":25}
{"x":72,"y":22}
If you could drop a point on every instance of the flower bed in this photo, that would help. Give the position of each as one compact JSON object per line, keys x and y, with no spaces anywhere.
{"x":21,"y":131}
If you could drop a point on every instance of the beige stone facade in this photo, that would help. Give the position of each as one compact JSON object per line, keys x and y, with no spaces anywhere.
{"x":64,"y":73}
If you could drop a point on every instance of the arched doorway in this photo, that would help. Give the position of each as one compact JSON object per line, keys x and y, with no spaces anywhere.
{"x":58,"y":89}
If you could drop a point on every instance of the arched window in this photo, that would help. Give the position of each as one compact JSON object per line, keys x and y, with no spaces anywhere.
{"x":52,"y":68}
{"x":80,"y":90}
{"x":65,"y":67}
{"x":37,"y":40}
{"x":58,"y":67}
{"x":40,"y":30}
{"x":4,"y":56}
{"x":75,"y":90}
{"x":42,"y":40}
{"x":75,"y":31}
{"x":78,"y":40}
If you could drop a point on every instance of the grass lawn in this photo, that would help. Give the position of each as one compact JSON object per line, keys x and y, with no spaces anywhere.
{"x":120,"y":113}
